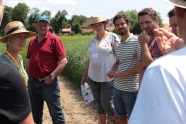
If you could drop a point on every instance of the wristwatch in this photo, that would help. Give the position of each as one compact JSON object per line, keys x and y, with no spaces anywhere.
{"x":51,"y":77}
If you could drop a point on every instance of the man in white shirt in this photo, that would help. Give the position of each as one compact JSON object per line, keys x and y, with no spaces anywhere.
{"x":173,"y":22}
{"x":162,"y":95}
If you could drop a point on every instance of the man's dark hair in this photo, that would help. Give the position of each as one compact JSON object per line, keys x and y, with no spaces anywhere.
{"x":118,"y":16}
{"x":171,"y":13}
{"x":148,"y":11}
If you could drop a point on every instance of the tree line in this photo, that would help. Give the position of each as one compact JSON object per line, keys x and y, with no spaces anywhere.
{"x":25,"y":14}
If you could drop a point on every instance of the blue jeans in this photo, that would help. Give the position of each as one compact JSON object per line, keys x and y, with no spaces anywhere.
{"x":50,"y":93}
{"x":124,"y":102}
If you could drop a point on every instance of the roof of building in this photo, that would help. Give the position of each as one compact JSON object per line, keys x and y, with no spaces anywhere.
{"x":66,"y":30}
{"x":110,"y":26}
{"x":87,"y":30}
{"x":86,"y":23}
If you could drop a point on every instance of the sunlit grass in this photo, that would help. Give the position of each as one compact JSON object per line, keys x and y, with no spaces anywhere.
{"x":76,"y":48}
{"x":2,"y":48}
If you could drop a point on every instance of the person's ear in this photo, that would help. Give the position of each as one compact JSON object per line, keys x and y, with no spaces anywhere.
{"x":157,"y":20}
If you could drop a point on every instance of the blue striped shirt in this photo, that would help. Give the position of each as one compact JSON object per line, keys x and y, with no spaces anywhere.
{"x":127,"y":53}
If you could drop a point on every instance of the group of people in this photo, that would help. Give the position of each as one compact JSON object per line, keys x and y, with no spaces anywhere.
{"x":162,"y":97}
{"x":115,"y":67}
{"x":23,"y":92}
{"x":128,"y":79}
{"x":117,"y":70}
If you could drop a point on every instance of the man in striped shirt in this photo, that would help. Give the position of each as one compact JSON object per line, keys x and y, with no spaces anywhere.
{"x":124,"y":69}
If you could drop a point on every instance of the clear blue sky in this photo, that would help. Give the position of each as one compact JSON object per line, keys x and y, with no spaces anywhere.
{"x":105,"y":8}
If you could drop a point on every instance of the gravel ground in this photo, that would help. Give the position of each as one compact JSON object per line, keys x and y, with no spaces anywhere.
{"x":74,"y":108}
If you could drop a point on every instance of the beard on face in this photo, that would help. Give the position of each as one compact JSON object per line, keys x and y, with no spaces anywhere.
{"x":122,"y":31}
{"x":149,"y":31}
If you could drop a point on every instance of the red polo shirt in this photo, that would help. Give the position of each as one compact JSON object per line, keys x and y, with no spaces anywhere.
{"x":43,"y":56}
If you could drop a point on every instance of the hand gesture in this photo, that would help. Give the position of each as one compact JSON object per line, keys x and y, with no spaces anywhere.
{"x":119,"y":74}
{"x":143,"y":38}
{"x":167,"y":41}
{"x":110,"y":73}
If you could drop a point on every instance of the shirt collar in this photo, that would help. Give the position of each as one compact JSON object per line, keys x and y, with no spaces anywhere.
{"x":48,"y":34}
{"x":128,"y":39}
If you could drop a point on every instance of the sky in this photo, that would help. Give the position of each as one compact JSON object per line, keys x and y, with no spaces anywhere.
{"x":105,"y":8}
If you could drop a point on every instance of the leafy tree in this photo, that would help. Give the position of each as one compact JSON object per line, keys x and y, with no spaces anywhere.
{"x":70,"y":21}
{"x":136,"y":28}
{"x":76,"y":28}
{"x":160,"y":20}
{"x":7,"y":15}
{"x":64,"y":23}
{"x":68,"y":25}
{"x":76,"y":22}
{"x":54,"y":25}
{"x":80,"y":19}
{"x":20,"y":12}
{"x":34,"y":12}
{"x":46,"y":12}
{"x":59,"y":21}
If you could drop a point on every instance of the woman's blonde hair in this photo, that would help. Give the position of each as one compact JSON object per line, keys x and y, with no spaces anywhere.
{"x":7,"y":41}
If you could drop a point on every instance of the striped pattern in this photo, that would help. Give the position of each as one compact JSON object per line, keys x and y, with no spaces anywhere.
{"x":127,"y":53}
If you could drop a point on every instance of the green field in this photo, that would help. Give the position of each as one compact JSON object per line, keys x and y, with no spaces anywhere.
{"x":76,"y":49}
{"x":2,"y":47}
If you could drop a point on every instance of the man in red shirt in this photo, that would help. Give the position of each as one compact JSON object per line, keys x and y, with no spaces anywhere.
{"x":148,"y":20}
{"x":46,"y":59}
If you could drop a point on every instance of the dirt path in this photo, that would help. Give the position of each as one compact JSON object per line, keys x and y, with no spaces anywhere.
{"x":74,"y":108}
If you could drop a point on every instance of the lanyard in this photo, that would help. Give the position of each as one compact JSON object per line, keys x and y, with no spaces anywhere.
{"x":100,"y":41}
{"x":18,"y":66}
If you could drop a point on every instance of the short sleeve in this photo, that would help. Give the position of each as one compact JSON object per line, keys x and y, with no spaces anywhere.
{"x":116,"y":39}
{"x":60,"y":49}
